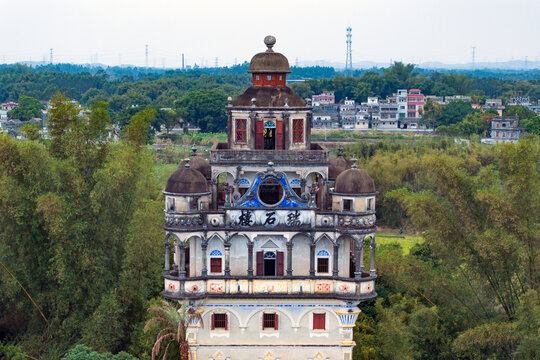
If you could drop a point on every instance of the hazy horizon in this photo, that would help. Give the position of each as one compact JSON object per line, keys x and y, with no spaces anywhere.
{"x":419,"y":31}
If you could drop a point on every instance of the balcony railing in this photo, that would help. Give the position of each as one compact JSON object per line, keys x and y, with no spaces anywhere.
{"x":316,"y":155}
{"x":292,"y":286}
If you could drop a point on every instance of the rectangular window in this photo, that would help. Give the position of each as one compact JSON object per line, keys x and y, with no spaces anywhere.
{"x":194,"y":204}
{"x":241,"y":131}
{"x":369,"y":205}
{"x":215,"y":265}
{"x":347,"y":205}
{"x":319,"y":321}
{"x":298,"y":131}
{"x":280,"y":77}
{"x":257,"y":77}
{"x":269,"y":77}
{"x":270,"y":321}
{"x":322,"y":265}
{"x":171,"y":204}
{"x":219,"y":321}
{"x":497,"y":124}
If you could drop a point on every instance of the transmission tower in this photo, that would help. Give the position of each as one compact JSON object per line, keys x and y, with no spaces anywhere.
{"x":51,"y":56}
{"x":348,"y":62}
{"x":182,"y":61}
{"x":216,"y":62}
{"x":473,"y":57}
{"x":146,"y":59}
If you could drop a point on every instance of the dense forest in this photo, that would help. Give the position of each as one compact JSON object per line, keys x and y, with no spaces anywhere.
{"x":125,"y":87}
{"x":81,"y":245}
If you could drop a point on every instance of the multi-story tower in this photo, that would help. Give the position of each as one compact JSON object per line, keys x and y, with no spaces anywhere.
{"x":267,"y":240}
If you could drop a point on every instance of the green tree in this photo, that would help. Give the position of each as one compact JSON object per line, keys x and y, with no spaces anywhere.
{"x":172,"y":325}
{"x":30,"y":131}
{"x":473,"y":123}
{"x":137,"y":132}
{"x":522,"y":112}
{"x":82,"y":352}
{"x":104,"y":330}
{"x":28,"y":108}
{"x":455,"y":112}
{"x":205,"y":108}
{"x":528,"y":325}
{"x":431,"y":113}
{"x":531,"y":125}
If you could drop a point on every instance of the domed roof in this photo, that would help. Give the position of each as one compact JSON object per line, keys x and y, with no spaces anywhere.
{"x":355,"y":182}
{"x":186,"y":180}
{"x":197,"y":163}
{"x":338,"y":165}
{"x":269,"y":96}
{"x":269,"y":61}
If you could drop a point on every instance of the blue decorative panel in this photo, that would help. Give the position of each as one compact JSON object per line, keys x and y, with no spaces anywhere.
{"x":290,"y":200}
{"x":295,"y":182}
{"x":216,"y":253}
{"x":323,"y":253}
{"x":269,"y":125}
{"x":269,"y":244}
{"x":244,"y":182}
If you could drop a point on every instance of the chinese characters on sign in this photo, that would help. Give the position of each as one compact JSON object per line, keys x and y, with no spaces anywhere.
{"x":269,"y":218}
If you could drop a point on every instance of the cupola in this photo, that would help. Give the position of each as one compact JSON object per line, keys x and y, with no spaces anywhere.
{"x":197,"y":163}
{"x":338,"y":165}
{"x":186,"y":180}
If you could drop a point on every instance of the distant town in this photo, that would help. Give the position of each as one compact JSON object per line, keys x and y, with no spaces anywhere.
{"x":401,"y":112}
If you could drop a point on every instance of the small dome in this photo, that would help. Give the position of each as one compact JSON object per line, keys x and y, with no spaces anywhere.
{"x":186,"y":180}
{"x":269,"y":96}
{"x":269,"y":61}
{"x":338,"y":165}
{"x":197,"y":163}
{"x":354,"y":182}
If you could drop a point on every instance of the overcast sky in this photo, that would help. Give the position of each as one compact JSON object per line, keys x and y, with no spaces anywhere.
{"x":115,"y":31}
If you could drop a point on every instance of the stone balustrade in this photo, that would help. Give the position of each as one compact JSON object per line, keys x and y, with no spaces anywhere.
{"x":341,"y":288}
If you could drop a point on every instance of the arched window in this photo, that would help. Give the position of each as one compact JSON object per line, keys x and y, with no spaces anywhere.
{"x":216,"y":262}
{"x":323,"y":259}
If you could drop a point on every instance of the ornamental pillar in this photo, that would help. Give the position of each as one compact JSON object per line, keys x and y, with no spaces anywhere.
{"x":373,"y":245}
{"x":289,"y":258}
{"x":359,"y":258}
{"x":213,"y":185}
{"x":312,"y":258}
{"x":182,"y":258}
{"x":227,"y":255}
{"x":335,"y":271}
{"x":204,"y":246}
{"x":167,"y":245}
{"x":250,"y":258}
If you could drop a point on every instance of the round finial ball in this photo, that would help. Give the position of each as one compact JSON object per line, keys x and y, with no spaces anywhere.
{"x":270,"y":41}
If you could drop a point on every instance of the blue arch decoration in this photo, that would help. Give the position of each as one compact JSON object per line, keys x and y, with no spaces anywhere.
{"x":244,"y":182}
{"x":290,"y":200}
{"x":216,"y":253}
{"x":323,"y":253}
{"x":295,"y":182}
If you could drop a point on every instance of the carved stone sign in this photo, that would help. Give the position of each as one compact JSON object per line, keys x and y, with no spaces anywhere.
{"x":269,"y":218}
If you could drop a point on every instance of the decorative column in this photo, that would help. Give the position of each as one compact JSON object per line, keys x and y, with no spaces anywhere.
{"x":167,"y":245}
{"x":335,"y":271}
{"x":204,"y":246}
{"x":214,"y":187}
{"x":289,"y":258}
{"x":312,"y":258}
{"x":302,"y":186}
{"x":359,"y":258}
{"x":176,"y":258}
{"x":182,"y":258}
{"x":373,"y":245}
{"x":250,"y":258}
{"x":227,"y":255}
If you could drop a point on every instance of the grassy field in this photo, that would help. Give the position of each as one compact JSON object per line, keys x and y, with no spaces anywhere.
{"x":406,"y":243}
